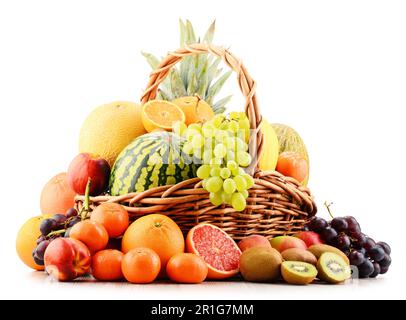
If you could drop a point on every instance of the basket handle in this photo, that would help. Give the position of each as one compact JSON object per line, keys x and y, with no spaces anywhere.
{"x":246,"y":84}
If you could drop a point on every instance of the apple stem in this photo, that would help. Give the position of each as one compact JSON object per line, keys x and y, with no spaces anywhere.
{"x":327,"y":205}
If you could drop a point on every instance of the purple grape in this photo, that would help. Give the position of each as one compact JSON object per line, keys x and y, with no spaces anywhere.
{"x":365,"y":269}
{"x":329,"y":235}
{"x":377,"y":270}
{"x":353,"y":225}
{"x":356,"y":258}
{"x":386,"y":261}
{"x":385,"y":247}
{"x":40,"y":249}
{"x":384,"y":270}
{"x":376,"y":253}
{"x":73,"y":221}
{"x":47,"y":226}
{"x":317,"y":224}
{"x":358,"y":239}
{"x":339,"y":224}
{"x":40,"y":239}
{"x":38,"y":261}
{"x":59,"y":218}
{"x":342,"y":242}
{"x":362,"y":250}
{"x":72,"y":212}
{"x":369,"y":244}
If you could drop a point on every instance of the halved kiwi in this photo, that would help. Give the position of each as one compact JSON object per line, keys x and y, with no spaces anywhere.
{"x":298,"y":272}
{"x":319,"y":249}
{"x":333,"y":268}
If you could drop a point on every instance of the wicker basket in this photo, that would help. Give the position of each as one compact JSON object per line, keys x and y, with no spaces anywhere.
{"x":277,"y":205}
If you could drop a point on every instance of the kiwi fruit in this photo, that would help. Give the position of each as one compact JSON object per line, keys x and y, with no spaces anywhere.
{"x":333,"y":268}
{"x":260,"y":264}
{"x":298,"y":272}
{"x":298,"y":254}
{"x":319,"y":249}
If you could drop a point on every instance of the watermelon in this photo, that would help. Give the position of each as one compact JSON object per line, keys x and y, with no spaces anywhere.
{"x":151,"y":160}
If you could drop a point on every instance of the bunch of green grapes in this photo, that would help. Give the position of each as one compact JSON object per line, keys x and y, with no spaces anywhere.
{"x":220,"y":146}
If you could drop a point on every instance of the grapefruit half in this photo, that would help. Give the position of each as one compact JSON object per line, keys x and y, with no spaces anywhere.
{"x":217,"y":248}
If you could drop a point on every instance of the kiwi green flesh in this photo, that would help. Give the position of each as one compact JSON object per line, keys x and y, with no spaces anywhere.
{"x":298,"y":272}
{"x":332,"y":268}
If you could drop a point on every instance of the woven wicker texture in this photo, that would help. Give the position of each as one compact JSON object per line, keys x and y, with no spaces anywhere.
{"x":277,"y":205}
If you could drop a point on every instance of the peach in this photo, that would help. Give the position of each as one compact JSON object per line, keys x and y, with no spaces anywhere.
{"x":253,"y":241}
{"x":276,"y":242}
{"x":309,"y":237}
{"x":66,"y":259}
{"x":85,"y":166}
{"x":292,"y":242}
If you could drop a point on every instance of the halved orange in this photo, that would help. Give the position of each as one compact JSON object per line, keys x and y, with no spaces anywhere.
{"x":195,"y":109}
{"x":160,"y":114}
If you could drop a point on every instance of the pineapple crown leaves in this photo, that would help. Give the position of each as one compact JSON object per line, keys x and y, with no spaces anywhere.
{"x":199,"y":74}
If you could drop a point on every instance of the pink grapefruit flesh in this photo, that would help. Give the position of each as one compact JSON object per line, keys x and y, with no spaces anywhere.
{"x":217,"y":248}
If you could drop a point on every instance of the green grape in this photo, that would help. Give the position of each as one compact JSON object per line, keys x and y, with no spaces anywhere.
{"x":230,"y":143}
{"x":233,"y":127}
{"x":230,"y":156}
{"x":225,"y":173}
{"x":197,"y":141}
{"x":216,"y":162}
{"x":197,"y":153}
{"x":204,"y":171}
{"x":214,"y":184}
{"x":179,"y":128}
{"x":245,"y":194}
{"x":187,"y":148}
{"x":216,"y":198}
{"x":221,"y":136}
{"x":227,"y":197}
{"x":240,"y":183}
{"x":220,"y":151}
{"x":209,"y":130}
{"x":190,"y":134}
{"x":243,"y":158}
{"x":204,"y":183}
{"x":234,"y":115}
{"x":249,"y":180}
{"x":241,"y":172}
{"x":215,"y":171}
{"x":229,"y":186}
{"x":240,"y":145}
{"x":232,"y":165}
{"x":244,"y":123}
{"x":238,"y":201}
{"x":218,"y":120}
{"x":207,"y":156}
{"x":195,"y":126}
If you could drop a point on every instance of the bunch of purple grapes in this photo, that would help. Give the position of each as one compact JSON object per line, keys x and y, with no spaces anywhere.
{"x":57,"y":226}
{"x":370,"y":257}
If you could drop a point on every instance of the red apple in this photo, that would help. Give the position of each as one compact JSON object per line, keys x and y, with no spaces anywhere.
{"x":66,"y":259}
{"x":277,"y":241}
{"x":309,"y":237}
{"x":291,"y":242}
{"x":85,"y":166}
{"x":254,"y":241}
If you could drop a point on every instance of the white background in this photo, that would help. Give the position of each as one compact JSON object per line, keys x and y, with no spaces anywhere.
{"x":334,"y":70}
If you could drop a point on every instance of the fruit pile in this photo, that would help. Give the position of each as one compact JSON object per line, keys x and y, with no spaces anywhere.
{"x":184,"y":133}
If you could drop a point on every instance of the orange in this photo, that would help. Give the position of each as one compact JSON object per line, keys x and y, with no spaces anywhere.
{"x":91,"y":233}
{"x":293,"y":165}
{"x":157,"y":232}
{"x":57,"y":196}
{"x":113,"y":217}
{"x":186,"y":268}
{"x":141,"y":265}
{"x":110,"y":128}
{"x":106,"y":265}
{"x":195,"y":109}
{"x":160,"y":114}
{"x":27,"y":241}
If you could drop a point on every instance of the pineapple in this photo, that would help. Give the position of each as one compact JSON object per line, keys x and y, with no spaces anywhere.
{"x":194,"y":75}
